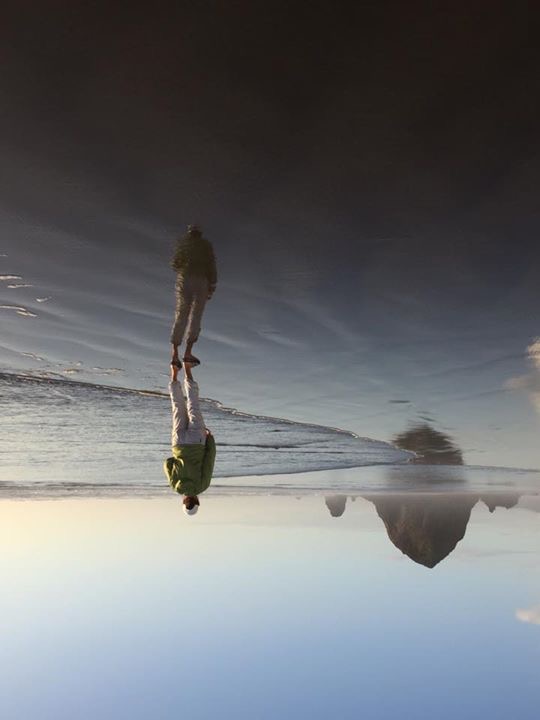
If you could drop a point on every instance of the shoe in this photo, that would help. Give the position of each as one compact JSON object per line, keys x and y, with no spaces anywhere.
{"x":191,"y":360}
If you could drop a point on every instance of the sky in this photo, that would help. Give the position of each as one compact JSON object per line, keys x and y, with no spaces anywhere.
{"x":367,"y":175}
{"x":261,"y":605}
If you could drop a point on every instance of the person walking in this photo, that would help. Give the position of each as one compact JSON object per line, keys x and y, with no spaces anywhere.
{"x":196,"y":279}
{"x":190,"y":469}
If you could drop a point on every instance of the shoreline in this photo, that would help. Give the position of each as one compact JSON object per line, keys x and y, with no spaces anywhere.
{"x":384,"y":480}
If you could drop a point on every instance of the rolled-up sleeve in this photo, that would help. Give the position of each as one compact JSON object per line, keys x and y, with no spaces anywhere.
{"x":208,"y":462}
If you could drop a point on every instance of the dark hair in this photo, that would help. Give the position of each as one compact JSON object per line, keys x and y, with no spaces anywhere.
{"x":190,"y":501}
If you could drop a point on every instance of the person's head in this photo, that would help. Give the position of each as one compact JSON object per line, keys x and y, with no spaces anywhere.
{"x":190,"y":504}
{"x":194,"y":230}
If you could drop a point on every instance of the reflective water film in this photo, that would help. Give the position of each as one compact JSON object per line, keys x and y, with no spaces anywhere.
{"x":62,"y":432}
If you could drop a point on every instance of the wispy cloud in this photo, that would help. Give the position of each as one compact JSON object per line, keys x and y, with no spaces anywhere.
{"x":107,"y":371}
{"x":226,"y":340}
{"x":33,"y":356}
{"x":279,"y":338}
{"x":529,"y":615}
{"x":19,"y":310}
{"x":529,"y":382}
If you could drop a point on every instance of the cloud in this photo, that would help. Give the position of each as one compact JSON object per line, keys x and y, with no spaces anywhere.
{"x":533,"y":351}
{"x":33,"y":356}
{"x":531,"y":381}
{"x":278,"y":338}
{"x":530,"y":615}
{"x":107,"y":371}
{"x":520,"y":382}
{"x":226,"y":340}
{"x":19,"y":310}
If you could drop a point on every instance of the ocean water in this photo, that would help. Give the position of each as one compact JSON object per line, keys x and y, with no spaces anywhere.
{"x":61,"y":437}
{"x":61,"y":432}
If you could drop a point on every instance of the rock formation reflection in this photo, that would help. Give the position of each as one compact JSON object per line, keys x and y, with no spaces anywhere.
{"x":431,"y":446}
{"x":336,"y":504}
{"x":427,"y":527}
{"x":508,"y":500}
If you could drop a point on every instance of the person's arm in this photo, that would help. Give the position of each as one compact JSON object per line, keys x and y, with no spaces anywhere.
{"x":179,"y":258}
{"x":208,"y":461}
{"x":168,"y":467}
{"x":212,"y":270}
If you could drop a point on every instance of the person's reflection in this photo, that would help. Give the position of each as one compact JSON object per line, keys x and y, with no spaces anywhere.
{"x":336,"y":504}
{"x":190,"y":469}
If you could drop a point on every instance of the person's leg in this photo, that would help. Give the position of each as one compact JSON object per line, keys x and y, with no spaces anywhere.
{"x":196,"y":426}
{"x":183,"y":307}
{"x":180,"y":418}
{"x":198,"y":303}
{"x":188,"y":355}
